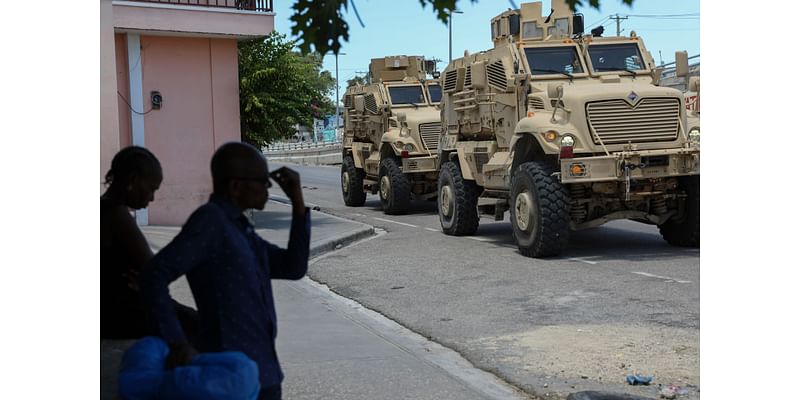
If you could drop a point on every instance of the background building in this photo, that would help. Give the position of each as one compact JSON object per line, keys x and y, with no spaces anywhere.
{"x":183,"y":55}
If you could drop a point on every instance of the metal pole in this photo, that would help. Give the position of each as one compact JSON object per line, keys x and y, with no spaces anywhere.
{"x":336,"y":128}
{"x":450,"y":28}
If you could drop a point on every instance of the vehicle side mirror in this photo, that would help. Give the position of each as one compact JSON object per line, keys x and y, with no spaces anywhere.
{"x":694,"y":84}
{"x":358,"y":102}
{"x":681,"y":63}
{"x":577,"y":24}
{"x":555,"y":90}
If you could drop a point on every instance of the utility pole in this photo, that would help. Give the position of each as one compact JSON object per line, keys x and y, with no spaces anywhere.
{"x":336,"y":129}
{"x":618,"y":18}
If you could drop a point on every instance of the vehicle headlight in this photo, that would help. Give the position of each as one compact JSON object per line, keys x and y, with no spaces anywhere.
{"x":694,"y":134}
{"x":567,"y":141}
{"x":409,"y":147}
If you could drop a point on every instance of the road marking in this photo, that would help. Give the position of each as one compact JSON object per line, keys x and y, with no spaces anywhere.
{"x":582,"y":260}
{"x":480,"y":239}
{"x":357,"y":215}
{"x":395,"y":222}
{"x":431,"y":229}
{"x":666,"y":278}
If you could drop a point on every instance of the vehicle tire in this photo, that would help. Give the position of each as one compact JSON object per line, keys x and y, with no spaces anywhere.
{"x":685,"y":230}
{"x":394,"y":187}
{"x":539,"y":207}
{"x":457,"y":201}
{"x":352,"y":183}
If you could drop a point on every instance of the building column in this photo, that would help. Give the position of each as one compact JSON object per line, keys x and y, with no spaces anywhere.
{"x":136,"y":103}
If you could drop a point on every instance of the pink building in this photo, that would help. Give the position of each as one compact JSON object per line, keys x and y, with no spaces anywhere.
{"x":184,"y":51}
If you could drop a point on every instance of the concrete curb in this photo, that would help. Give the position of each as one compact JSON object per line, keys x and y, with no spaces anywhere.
{"x":362,"y":231}
{"x":341,"y":241}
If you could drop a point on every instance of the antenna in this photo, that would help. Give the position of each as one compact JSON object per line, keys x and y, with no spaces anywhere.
{"x":547,"y":20}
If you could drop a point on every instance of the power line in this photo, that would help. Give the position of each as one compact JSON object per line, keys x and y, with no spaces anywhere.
{"x":662,"y":15}
{"x":596,"y":23}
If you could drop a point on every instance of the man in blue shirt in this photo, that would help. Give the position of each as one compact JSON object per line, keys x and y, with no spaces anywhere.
{"x":229,"y":266}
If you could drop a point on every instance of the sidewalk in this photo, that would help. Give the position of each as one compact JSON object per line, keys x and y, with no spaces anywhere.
{"x":329,"y":346}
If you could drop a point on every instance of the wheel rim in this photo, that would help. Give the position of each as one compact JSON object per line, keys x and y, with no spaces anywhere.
{"x":345,"y":182}
{"x":446,"y":201}
{"x":385,"y":187}
{"x":523,"y":210}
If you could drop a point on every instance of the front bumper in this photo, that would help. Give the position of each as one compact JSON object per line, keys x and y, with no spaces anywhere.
{"x":639,"y":165}
{"x":419,"y":164}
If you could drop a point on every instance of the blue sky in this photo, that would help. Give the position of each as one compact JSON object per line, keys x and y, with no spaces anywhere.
{"x":403,"y":27}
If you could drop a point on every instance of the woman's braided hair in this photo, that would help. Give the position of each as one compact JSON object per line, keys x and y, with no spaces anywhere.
{"x":132,"y":160}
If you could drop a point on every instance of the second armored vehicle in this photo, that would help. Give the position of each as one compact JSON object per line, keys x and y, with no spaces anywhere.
{"x":392,"y":130}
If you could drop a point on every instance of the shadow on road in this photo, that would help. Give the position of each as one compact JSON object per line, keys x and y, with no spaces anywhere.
{"x":606,"y":242}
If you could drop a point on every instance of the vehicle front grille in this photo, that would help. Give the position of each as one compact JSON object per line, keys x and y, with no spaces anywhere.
{"x":429,"y":133}
{"x":651,"y":120}
{"x":536,"y":103}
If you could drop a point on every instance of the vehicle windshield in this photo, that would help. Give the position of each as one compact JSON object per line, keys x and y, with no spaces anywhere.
{"x":616,"y":57}
{"x":406,"y":95}
{"x":435,"y":93}
{"x":554,"y":60}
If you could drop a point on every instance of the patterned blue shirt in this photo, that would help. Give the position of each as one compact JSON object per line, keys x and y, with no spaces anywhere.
{"x":229,"y":268}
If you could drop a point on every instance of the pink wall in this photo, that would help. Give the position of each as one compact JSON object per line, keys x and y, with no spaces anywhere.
{"x":198,"y":79}
{"x":109,"y":120}
{"x":124,"y":89}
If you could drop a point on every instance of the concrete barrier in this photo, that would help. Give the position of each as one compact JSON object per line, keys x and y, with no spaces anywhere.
{"x":328,"y":153}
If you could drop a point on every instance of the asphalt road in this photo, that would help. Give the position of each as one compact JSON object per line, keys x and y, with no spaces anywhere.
{"x":619,"y":301}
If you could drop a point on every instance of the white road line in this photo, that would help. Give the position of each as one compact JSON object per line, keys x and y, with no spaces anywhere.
{"x":480,"y":239}
{"x":666,"y":278}
{"x":431,"y":229}
{"x":395,"y":222}
{"x":582,"y":260}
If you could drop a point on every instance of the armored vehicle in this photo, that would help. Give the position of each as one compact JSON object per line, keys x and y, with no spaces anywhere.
{"x":391,"y":133}
{"x":566,"y":131}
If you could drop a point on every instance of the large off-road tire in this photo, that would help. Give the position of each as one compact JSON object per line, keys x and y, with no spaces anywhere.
{"x":684,"y":230}
{"x":539,"y":206}
{"x":457,"y":201}
{"x":394,"y":187}
{"x":352,"y":183}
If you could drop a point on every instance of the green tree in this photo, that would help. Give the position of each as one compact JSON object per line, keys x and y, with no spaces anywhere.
{"x":280,"y":88}
{"x":320,"y":22}
{"x":358,"y":80}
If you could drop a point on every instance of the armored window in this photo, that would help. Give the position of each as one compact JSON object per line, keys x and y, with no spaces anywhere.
{"x":348,"y":101}
{"x":435,"y":93}
{"x":531,"y":31}
{"x":468,"y":77}
{"x":560,"y":28}
{"x":553,"y":60}
{"x":616,"y":57}
{"x":400,"y":95}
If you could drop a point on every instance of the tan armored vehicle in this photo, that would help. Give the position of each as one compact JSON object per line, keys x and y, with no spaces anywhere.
{"x":391,"y":133}
{"x":567,"y":131}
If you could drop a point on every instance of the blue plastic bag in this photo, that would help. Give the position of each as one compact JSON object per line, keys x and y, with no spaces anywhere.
{"x":210,"y":376}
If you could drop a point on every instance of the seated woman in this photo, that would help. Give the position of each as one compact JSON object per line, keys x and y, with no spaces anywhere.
{"x":133,"y":179}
